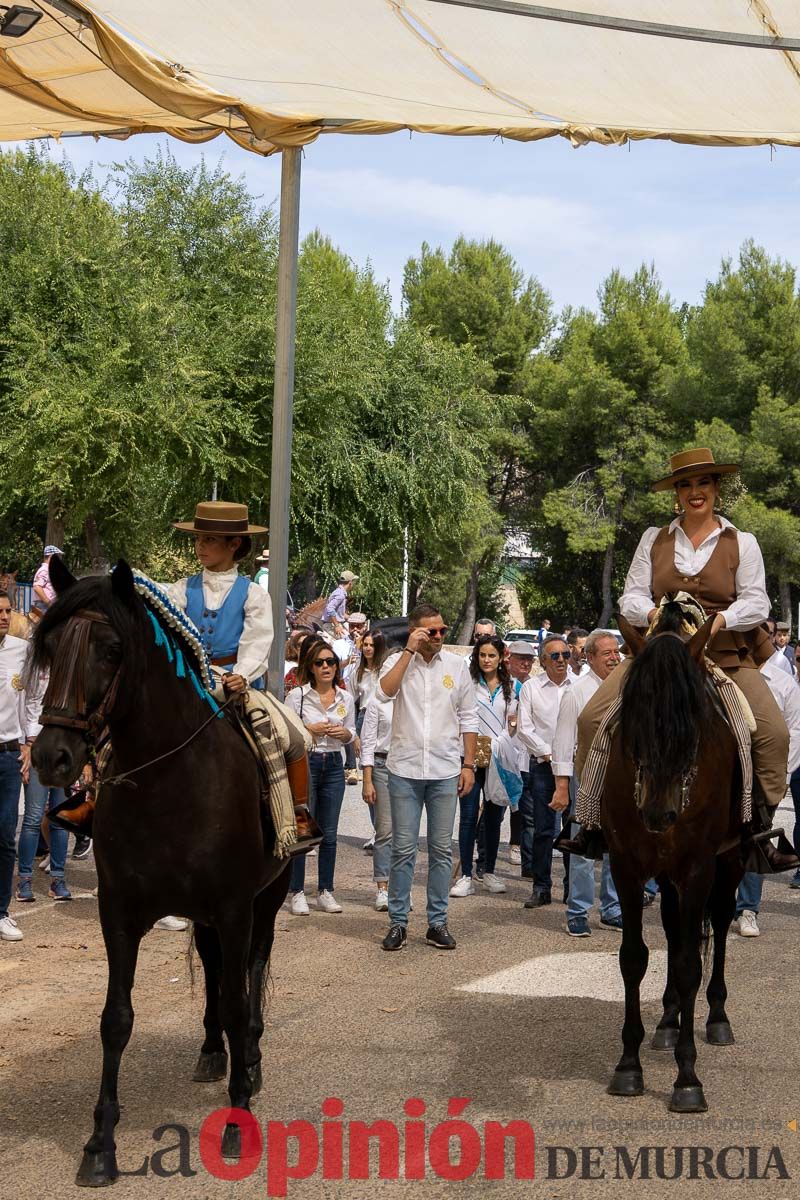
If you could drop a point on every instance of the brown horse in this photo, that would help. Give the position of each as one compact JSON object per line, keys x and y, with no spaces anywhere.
{"x":671,"y":810}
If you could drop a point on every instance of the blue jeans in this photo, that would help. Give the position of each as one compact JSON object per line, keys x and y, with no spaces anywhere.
{"x":794,"y":785}
{"x":381,"y":812}
{"x":408,"y":797}
{"x":749,"y":893}
{"x":39,"y":799}
{"x":540,"y":824}
{"x":10,"y":780}
{"x":581,"y":887}
{"x":325,"y":803}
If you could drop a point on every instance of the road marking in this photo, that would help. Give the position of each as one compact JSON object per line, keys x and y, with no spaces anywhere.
{"x":586,"y":974}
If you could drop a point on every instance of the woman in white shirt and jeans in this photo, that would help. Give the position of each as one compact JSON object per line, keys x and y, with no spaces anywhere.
{"x":326,"y":709}
{"x":494,"y":694}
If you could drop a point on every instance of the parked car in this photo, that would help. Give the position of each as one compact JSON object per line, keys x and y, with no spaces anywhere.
{"x":522,"y":635}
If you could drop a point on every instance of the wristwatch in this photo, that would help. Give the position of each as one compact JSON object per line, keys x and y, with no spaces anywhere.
{"x":468,"y":766}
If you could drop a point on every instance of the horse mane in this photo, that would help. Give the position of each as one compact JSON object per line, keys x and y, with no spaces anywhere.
{"x":131,"y":621}
{"x":665,"y":708}
{"x":94,"y":593}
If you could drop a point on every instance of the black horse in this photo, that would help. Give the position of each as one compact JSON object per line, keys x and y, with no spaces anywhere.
{"x":672,"y":810}
{"x":190,"y":837}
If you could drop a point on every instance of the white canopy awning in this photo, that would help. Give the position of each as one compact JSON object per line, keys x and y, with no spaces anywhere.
{"x":270,"y":73}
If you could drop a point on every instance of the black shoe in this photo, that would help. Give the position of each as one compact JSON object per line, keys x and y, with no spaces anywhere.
{"x":440,"y":937}
{"x":648,"y":898}
{"x":538,"y":899}
{"x":526,"y":874}
{"x":588,"y":843}
{"x":82,"y":847}
{"x":395,"y":938}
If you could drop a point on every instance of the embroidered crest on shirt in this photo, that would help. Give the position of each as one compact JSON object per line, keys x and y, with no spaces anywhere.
{"x":17,"y":684}
{"x":341,"y":711}
{"x":448,"y":682}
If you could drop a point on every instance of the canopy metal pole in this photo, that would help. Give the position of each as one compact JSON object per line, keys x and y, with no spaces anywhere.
{"x":280,"y":479}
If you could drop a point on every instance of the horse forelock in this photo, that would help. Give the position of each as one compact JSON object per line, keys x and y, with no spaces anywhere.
{"x":91,"y":593}
{"x":665,"y":709}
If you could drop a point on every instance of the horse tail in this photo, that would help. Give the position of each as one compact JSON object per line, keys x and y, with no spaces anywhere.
{"x":707,"y":942}
{"x":664,"y":710}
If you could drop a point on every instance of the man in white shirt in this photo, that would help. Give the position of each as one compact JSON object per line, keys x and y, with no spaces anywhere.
{"x":779,"y":661}
{"x":539,"y":701}
{"x":19,"y":713}
{"x":435,"y":720}
{"x":576,"y":640}
{"x":787,"y":697}
{"x":602,"y":655}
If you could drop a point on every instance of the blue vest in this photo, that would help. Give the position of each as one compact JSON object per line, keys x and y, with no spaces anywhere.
{"x":220,"y":628}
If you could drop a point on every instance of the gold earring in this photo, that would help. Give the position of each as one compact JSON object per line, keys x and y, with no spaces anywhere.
{"x":676,"y":508}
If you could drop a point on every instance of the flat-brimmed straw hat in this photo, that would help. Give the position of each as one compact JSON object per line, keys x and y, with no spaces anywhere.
{"x":220,"y":518}
{"x":699,"y":461}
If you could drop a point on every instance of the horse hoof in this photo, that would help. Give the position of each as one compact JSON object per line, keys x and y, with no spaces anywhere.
{"x":232,"y":1142}
{"x":626,"y":1083}
{"x":664,"y":1038}
{"x":254,"y":1071}
{"x":719,"y":1033}
{"x":688,"y":1100}
{"x":211,"y":1067}
{"x":97,"y":1169}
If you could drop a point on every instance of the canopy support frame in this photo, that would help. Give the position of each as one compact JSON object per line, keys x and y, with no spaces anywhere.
{"x":281,"y":475}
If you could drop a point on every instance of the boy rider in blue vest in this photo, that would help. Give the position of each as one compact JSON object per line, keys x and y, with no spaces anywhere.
{"x":234,"y":619}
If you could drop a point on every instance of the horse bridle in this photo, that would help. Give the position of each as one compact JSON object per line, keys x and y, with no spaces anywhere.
{"x":64,"y":678}
{"x":687,"y":779}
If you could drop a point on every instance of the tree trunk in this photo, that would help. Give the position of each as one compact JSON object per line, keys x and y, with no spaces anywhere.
{"x":470,"y":608}
{"x":608,"y":603}
{"x":54,"y":535}
{"x":98,"y":561}
{"x":786,"y":601}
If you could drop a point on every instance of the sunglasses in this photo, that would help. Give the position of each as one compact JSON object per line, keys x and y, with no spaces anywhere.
{"x":325,"y":662}
{"x":557,"y":654}
{"x":437,"y":632}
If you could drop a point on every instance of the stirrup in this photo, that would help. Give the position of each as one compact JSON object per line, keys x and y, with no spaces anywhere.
{"x":587,"y":843}
{"x":309,"y":833}
{"x":761,"y":857}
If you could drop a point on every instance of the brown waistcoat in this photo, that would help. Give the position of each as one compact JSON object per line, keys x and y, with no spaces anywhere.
{"x":715,"y":588}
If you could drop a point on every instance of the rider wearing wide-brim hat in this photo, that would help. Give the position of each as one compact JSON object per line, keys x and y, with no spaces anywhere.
{"x":233,"y":616}
{"x":700,"y":552}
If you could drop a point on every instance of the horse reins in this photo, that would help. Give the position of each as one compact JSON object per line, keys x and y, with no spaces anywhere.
{"x":71,"y":654}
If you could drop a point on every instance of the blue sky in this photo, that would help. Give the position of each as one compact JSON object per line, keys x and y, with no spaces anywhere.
{"x":568,"y":216}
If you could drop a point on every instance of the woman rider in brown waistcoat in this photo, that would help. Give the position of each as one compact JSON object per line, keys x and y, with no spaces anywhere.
{"x":703,"y":554}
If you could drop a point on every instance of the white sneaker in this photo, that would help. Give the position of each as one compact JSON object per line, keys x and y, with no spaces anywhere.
{"x":515,"y":856}
{"x":748,"y":925}
{"x":369,"y":846}
{"x":327,"y":902}
{"x":351,"y":776}
{"x":382,"y":900}
{"x":44,"y":864}
{"x":173,"y":924}
{"x":299,"y":905}
{"x":492,"y":883}
{"x":464,"y":887}
{"x":10,"y":930}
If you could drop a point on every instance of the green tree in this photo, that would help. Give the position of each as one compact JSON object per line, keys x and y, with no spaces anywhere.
{"x":603,"y":432}
{"x":477,"y":296}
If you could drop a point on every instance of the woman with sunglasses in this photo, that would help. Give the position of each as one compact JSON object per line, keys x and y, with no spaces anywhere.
{"x":327,"y":711}
{"x":494,"y":694}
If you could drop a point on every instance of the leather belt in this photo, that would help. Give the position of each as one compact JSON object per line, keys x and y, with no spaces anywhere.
{"x":225,"y":660}
{"x":8,"y":747}
{"x":380,"y":757}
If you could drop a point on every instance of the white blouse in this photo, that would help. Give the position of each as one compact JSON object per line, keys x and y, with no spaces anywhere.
{"x":751,"y":605}
{"x":362,"y":690}
{"x":307,"y":704}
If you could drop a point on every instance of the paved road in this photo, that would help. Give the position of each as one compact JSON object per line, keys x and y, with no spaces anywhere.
{"x":520,"y":1020}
